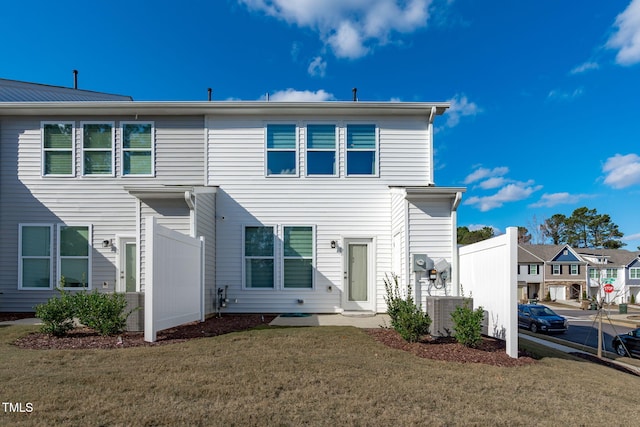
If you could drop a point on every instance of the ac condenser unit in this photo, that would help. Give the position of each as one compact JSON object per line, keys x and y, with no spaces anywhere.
{"x":439,"y":310}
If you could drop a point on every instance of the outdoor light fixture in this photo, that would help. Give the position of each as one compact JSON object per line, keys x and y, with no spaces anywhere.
{"x":106,"y":243}
{"x":433,"y":274}
{"x":333,"y":244}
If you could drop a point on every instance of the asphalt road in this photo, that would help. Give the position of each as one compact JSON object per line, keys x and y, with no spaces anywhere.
{"x":584,"y":330}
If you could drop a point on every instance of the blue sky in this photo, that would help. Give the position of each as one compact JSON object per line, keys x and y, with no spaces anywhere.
{"x":544,"y":94}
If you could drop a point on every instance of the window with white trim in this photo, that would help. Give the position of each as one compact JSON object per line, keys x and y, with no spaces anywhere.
{"x":594,"y":273}
{"x":321,"y":150}
{"x":74,"y":256}
{"x":58,"y":147}
{"x":612,"y":273}
{"x":137,"y":149}
{"x":362,"y":147}
{"x":556,"y":269}
{"x":35,"y":256}
{"x":98,"y":140}
{"x":259,"y":261}
{"x":574,"y":269}
{"x":634,"y":273}
{"x":533,"y":269}
{"x":282,"y":154}
{"x":298,"y":248}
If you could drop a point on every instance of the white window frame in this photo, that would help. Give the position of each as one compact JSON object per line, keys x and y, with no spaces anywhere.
{"x":611,"y":273}
{"x":22,"y":258}
{"x":574,"y":269}
{"x":112,"y":150}
{"x":59,"y":257}
{"x":123,"y":150}
{"x":533,"y":269}
{"x":268,"y":150}
{"x":594,"y":273}
{"x":335,"y":150}
{"x":376,"y":151}
{"x":556,"y":269}
{"x":280,"y":238}
{"x":245,"y":257}
{"x":634,"y":273}
{"x":48,"y":150}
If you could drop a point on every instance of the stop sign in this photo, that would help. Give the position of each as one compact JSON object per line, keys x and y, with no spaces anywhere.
{"x":608,"y":288}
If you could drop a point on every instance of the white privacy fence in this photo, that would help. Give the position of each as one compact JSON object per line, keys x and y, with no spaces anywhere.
{"x":174,"y":284}
{"x":488,"y":273}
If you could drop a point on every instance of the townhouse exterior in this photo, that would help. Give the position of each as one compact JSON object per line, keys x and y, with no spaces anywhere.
{"x":303,"y":207}
{"x":565,"y":273}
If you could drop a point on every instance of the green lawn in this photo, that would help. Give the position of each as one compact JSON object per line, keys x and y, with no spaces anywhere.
{"x":296,"y":376}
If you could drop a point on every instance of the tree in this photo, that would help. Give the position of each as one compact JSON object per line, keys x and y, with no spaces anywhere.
{"x":466,"y":237}
{"x":586,"y":228}
{"x":523,"y":235}
{"x":554,"y":228}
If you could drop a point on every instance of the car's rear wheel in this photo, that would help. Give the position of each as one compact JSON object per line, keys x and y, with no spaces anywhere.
{"x":621,"y":350}
{"x":534,"y":328}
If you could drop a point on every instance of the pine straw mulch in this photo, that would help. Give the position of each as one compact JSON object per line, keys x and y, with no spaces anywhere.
{"x":490,"y":351}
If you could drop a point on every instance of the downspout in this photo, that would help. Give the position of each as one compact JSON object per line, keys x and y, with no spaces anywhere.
{"x":455,"y":270}
{"x":432,"y":116}
{"x":188,"y":198}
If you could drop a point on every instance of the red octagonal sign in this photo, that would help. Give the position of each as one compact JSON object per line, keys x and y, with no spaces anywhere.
{"x":608,"y":288}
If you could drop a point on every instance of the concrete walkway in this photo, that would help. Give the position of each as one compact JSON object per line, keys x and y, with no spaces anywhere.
{"x":368,"y":320}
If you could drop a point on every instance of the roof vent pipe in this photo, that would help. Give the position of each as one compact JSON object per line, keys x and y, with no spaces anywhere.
{"x":209,"y":90}
{"x":355,"y":94}
{"x":75,"y":79}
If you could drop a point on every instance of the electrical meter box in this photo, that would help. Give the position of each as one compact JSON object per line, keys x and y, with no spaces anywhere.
{"x":420,"y":262}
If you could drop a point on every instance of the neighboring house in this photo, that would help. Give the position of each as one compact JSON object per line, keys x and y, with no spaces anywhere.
{"x":563,"y":272}
{"x":304,"y":207}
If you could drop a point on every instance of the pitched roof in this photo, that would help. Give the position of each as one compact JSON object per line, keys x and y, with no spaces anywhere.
{"x":17,"y":91}
{"x":619,"y":257}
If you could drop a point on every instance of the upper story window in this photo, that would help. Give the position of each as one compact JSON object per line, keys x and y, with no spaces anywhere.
{"x":594,"y":273}
{"x":634,"y":273}
{"x":58,"y":149}
{"x":97,"y":148}
{"x":281,"y":150}
{"x":556,"y":269}
{"x":362,"y":150}
{"x":533,"y":269}
{"x":574,"y":269}
{"x":612,"y":273}
{"x":35,"y":260}
{"x":137,"y":148}
{"x":321,"y":150}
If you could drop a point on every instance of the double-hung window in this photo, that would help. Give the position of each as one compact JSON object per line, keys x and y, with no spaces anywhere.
{"x":259,"y":250}
{"x":321,"y":150}
{"x":281,"y":150}
{"x":574,"y":269}
{"x":533,"y":269}
{"x":58,"y":148}
{"x":612,"y":273}
{"x":97,"y":148}
{"x":74,"y":256}
{"x":634,"y":273}
{"x":556,"y":269}
{"x":137,"y":149}
{"x":298,"y":257}
{"x":594,"y":273}
{"x":361,"y":150}
{"x":35,"y":262}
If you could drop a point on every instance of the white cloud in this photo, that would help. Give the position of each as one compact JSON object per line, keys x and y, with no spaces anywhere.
{"x":587,"y":66}
{"x":509,"y":193}
{"x":564,"y":95}
{"x":626,"y":39}
{"x":482,"y":173}
{"x":494,"y":182}
{"x":631,"y":237}
{"x":460,"y":107}
{"x":293,"y":95}
{"x":318,"y":67}
{"x":622,"y":171}
{"x":553,"y":199}
{"x":350,"y":27}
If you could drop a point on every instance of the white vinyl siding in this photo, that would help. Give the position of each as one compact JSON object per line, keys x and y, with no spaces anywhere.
{"x":281,"y":150}
{"x":58,"y":149}
{"x":35,"y":242}
{"x":74,"y":256}
{"x":321,"y":150}
{"x":138,"y":148}
{"x":98,"y":141}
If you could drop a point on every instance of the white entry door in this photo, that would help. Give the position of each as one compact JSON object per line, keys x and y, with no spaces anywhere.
{"x":359,"y":290}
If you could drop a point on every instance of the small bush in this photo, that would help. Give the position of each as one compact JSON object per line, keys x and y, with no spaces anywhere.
{"x":406,"y":317}
{"x":104,"y":313}
{"x":633,"y":299}
{"x":57,"y":314}
{"x":467,"y":324}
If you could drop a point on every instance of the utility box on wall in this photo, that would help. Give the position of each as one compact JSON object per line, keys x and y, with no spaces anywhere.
{"x":439,"y":310}
{"x":420,"y":262}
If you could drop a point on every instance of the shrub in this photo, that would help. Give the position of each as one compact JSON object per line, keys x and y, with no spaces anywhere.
{"x":104,"y":313}
{"x":633,"y":299}
{"x":406,"y":317}
{"x":467,"y":324}
{"x":57,"y":314}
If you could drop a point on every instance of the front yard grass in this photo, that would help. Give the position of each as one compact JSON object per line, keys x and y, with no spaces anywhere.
{"x":293,"y":376}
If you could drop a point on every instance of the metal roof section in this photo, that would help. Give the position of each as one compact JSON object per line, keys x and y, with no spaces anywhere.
{"x":16,"y":91}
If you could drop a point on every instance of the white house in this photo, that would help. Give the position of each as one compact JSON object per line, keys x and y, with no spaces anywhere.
{"x":303,"y":207}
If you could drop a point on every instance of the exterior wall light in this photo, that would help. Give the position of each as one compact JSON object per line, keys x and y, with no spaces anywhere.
{"x":333,"y":244}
